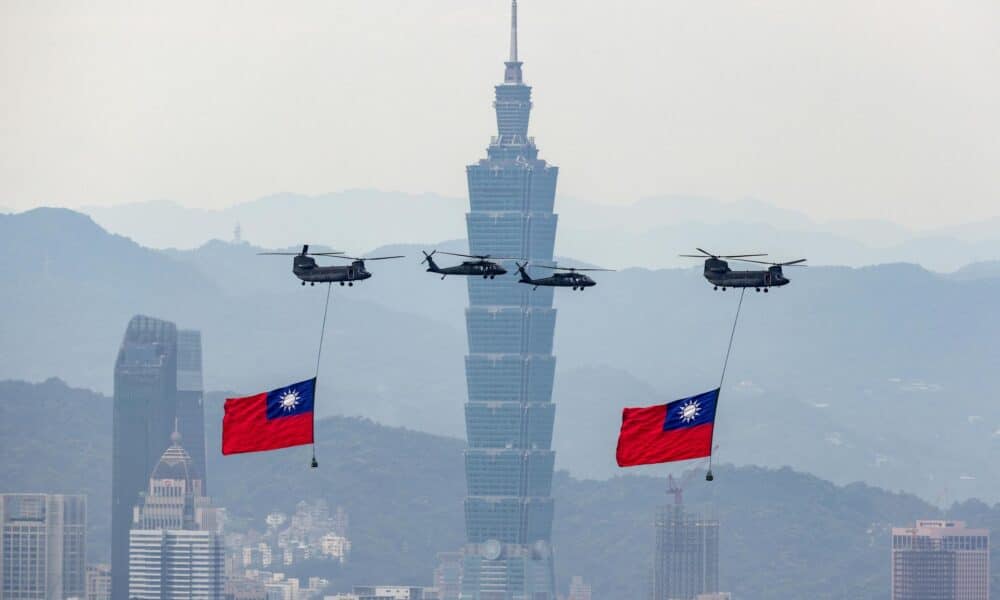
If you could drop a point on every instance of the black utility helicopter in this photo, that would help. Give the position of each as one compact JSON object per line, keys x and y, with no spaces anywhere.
{"x":305,"y":268}
{"x":717,"y":271}
{"x":571,"y":278}
{"x":481,"y":266}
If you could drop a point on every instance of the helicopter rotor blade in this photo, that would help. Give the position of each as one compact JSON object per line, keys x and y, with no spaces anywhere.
{"x":480,"y":256}
{"x":572,"y":268}
{"x":365,"y":258}
{"x":774,"y":264}
{"x":427,"y":257}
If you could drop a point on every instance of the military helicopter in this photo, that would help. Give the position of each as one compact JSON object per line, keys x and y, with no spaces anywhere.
{"x":305,"y":268}
{"x":480,"y":266}
{"x":718,"y":273}
{"x":571,"y":278}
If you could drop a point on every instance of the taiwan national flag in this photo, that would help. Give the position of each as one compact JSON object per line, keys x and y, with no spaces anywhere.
{"x":276,"y":419}
{"x":677,"y":431}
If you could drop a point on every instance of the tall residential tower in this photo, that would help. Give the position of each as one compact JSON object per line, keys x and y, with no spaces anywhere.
{"x":509,"y":369}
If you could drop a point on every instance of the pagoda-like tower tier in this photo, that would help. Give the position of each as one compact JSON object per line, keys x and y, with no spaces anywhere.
{"x":517,"y":185}
{"x":509,"y":377}
{"x":510,"y":425}
{"x":509,"y":520}
{"x":509,"y":329}
{"x":509,"y":472}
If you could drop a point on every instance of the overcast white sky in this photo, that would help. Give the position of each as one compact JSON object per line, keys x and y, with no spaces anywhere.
{"x":848,"y":109}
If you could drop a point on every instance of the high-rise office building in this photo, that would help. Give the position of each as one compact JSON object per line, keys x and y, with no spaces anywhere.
{"x":42,"y":546}
{"x":175,"y":548}
{"x":99,"y":582}
{"x":448,"y":575}
{"x":578,"y":590}
{"x":686,"y":561}
{"x":190,"y":401}
{"x":509,"y":369}
{"x":940,"y":560}
{"x":145,"y":407}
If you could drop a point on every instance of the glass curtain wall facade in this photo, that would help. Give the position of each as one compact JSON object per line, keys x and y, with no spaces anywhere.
{"x":145,"y":406}
{"x":190,"y":401}
{"x":510,"y":366}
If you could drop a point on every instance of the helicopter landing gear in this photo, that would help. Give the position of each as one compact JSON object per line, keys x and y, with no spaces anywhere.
{"x":350,"y":284}
{"x":723,"y":289}
{"x":493,"y":276}
{"x":715,"y":287}
{"x":765,"y":290}
{"x":341,"y":284}
{"x":758,"y":289}
{"x":312,"y":283}
{"x":574,"y":288}
{"x":303,"y":283}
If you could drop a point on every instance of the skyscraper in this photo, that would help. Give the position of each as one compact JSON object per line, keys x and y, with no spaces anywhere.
{"x":940,"y":560}
{"x":686,"y":562}
{"x":509,"y":369}
{"x":190,"y":398}
{"x":175,"y":550}
{"x":145,"y":407}
{"x":42,"y":546}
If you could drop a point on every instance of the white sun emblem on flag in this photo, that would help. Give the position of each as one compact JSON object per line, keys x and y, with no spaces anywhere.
{"x":689,"y":412}
{"x":289,"y":400}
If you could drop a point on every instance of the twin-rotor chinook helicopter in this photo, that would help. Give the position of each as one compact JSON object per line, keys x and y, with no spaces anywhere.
{"x":718,"y":273}
{"x":305,"y":268}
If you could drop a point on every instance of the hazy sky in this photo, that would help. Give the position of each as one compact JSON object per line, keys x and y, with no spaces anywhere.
{"x":849,"y":109}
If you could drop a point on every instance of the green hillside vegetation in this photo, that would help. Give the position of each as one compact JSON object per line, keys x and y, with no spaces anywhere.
{"x":784,"y":534}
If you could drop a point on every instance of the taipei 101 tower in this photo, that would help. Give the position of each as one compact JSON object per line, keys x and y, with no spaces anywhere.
{"x":509,"y":369}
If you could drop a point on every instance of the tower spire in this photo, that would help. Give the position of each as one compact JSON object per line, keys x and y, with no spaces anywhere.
{"x":513,"y":31}
{"x":512,"y":74}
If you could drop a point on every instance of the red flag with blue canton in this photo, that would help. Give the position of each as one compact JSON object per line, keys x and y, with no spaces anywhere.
{"x":277,"y":419}
{"x":680,"y":430}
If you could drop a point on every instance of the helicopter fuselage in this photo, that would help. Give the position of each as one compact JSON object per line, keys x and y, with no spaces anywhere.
{"x":718,"y":273}
{"x":470,"y":268}
{"x":306,"y":269}
{"x":577,"y":281}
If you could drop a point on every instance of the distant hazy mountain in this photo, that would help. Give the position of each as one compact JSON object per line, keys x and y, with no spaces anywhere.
{"x":783,"y":534}
{"x":648,"y":233}
{"x":878,"y":374}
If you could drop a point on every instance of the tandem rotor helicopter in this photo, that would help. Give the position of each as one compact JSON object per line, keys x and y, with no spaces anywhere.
{"x":305,"y":268}
{"x":718,"y":273}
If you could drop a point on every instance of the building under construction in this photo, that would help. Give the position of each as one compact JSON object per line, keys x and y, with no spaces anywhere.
{"x":686,"y":562}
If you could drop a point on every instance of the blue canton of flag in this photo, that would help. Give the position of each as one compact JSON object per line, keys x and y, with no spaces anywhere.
{"x":692,"y":411}
{"x":291,"y":400}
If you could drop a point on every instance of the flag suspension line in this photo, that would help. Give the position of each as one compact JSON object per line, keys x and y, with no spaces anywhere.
{"x":319,"y":354}
{"x":722,"y":378}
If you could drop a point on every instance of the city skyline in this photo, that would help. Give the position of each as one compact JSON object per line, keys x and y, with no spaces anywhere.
{"x":856,"y":447}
